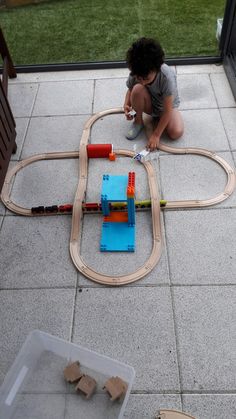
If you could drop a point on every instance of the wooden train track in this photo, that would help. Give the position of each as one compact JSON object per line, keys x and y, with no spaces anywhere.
{"x":77,"y":215}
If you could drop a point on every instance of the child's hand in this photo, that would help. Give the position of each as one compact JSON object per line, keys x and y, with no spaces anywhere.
{"x":128,"y":109}
{"x":153,"y":143}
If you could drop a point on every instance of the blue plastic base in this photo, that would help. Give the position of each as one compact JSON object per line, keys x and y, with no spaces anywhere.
{"x":117,"y":237}
{"x":114,"y":188}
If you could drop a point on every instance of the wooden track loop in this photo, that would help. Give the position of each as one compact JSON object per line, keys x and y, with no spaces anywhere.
{"x":77,"y":214}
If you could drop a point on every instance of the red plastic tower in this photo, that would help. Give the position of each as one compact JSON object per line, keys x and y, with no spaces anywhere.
{"x":99,"y":150}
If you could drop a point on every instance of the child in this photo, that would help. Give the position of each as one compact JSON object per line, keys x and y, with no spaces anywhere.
{"x":152,"y":89}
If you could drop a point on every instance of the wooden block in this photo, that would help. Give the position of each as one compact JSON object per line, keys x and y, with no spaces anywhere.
{"x":86,"y":385}
{"x":72,"y":372}
{"x":116,"y":387}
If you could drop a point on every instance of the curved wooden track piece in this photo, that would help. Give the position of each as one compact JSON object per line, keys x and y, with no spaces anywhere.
{"x":6,"y":189}
{"x":81,"y":190}
{"x":229,"y":187}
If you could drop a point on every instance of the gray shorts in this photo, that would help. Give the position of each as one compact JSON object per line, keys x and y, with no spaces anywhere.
{"x":158,"y":110}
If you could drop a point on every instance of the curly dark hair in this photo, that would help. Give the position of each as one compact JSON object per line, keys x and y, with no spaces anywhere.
{"x":144,"y":55}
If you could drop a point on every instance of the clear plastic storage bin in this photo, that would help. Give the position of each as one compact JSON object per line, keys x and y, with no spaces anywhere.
{"x":35,"y":387}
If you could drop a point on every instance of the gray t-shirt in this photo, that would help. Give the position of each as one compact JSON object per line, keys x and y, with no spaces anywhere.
{"x":164,"y":84}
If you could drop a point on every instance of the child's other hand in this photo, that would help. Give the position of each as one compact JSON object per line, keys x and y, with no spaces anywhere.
{"x":127,"y":109}
{"x":153,"y":143}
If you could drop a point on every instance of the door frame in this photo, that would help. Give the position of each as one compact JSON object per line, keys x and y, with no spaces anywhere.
{"x":228,"y":43}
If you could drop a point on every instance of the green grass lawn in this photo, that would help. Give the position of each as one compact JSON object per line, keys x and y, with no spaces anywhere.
{"x":83,"y":30}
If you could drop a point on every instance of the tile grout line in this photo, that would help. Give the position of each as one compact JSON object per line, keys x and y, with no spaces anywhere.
{"x":173,"y":315}
{"x":58,"y":115}
{"x":230,"y":148}
{"x":215,"y":207}
{"x":208,"y":392}
{"x":93,"y":97}
{"x":91,"y":287}
{"x":30,"y":116}
{"x":1,"y":221}
{"x":234,"y":159}
{"x":165,"y":155}
{"x":23,"y":142}
{"x":212,"y":86}
{"x":160,"y":392}
{"x":92,"y":78}
{"x":71,"y":333}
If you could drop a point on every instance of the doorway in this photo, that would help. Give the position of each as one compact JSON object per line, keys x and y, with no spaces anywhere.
{"x":228,"y":43}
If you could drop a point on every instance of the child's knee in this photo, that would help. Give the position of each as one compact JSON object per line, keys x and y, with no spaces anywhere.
{"x":175,"y":128}
{"x":175,"y":132}
{"x":138,"y":91}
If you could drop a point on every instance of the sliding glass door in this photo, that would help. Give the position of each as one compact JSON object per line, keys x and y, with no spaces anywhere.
{"x":228,"y":43}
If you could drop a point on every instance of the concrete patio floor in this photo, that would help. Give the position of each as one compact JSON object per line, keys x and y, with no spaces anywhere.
{"x":176,"y":326}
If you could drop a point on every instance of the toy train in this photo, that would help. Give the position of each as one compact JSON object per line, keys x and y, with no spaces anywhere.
{"x":92,"y":207}
{"x":53,"y":209}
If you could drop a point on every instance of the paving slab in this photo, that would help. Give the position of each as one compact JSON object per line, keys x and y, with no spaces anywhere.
{"x":98,"y":407}
{"x":112,"y":129}
{"x":203,"y":128}
{"x":46,"y":182}
{"x":21,"y":129}
{"x":229,"y":120}
{"x":200,"y":69}
{"x":41,"y":406}
{"x":194,"y":177}
{"x":138,"y":407}
{"x":55,"y":133}
{"x":223,"y":92}
{"x":22,"y":311}
{"x":201,"y":246}
{"x":47,"y":376}
{"x":206,"y":406}
{"x":133,"y":325}
{"x":205,"y":327}
{"x":67,"y":406}
{"x":109,"y":93}
{"x":64,"y":98}
{"x":196,"y":92}
{"x":121,"y":166}
{"x":118,"y":263}
{"x":113,"y":262}
{"x":2,"y":208}
{"x":147,"y":406}
{"x":34,"y":252}
{"x":21,"y":98}
{"x":70,"y":75}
